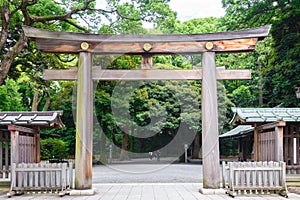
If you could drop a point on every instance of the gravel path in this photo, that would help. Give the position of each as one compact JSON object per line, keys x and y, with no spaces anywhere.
{"x":149,"y":172}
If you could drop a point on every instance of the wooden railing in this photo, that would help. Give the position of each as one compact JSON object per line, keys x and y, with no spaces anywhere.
{"x":43,"y":177}
{"x":293,"y":169}
{"x":4,"y":175}
{"x":254,"y":177}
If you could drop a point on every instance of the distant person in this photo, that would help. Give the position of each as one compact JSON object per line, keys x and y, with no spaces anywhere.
{"x":150,"y":155}
{"x":157,"y":155}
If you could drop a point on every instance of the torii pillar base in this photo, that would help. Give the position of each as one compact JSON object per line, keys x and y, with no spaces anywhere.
{"x":206,"y":191}
{"x":89,"y":192}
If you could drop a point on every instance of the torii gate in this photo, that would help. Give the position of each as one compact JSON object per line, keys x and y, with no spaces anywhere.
{"x":146,"y":46}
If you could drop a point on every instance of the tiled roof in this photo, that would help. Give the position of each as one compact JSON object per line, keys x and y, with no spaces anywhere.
{"x":49,"y":119}
{"x":252,"y":115}
{"x":238,"y":131}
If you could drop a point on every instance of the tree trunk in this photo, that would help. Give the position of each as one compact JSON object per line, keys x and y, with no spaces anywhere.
{"x":260,"y":85}
{"x":10,"y":56}
{"x":124,"y":150}
{"x":114,"y":146}
{"x":48,"y":101}
{"x":196,"y":148}
{"x":35,"y":101}
{"x":103,"y":153}
{"x":131,"y":141}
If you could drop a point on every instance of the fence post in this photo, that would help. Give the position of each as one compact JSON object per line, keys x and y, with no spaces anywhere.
{"x":224,"y":178}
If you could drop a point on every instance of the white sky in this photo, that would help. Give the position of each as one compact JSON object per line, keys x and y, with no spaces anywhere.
{"x":190,"y":9}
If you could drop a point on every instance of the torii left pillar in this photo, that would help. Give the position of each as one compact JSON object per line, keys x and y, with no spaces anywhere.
{"x":84,"y":123}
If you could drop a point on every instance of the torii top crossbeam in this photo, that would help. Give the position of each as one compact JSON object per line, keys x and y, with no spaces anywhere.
{"x":220,"y":42}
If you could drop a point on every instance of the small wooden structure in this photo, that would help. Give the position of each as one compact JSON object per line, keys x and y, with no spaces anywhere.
{"x":269,"y":134}
{"x":254,"y":178}
{"x":244,"y":135}
{"x":276,"y":132}
{"x":146,"y":46}
{"x":41,"y":177}
{"x":20,"y":137}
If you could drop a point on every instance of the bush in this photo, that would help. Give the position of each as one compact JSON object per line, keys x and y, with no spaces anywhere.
{"x":53,"y":148}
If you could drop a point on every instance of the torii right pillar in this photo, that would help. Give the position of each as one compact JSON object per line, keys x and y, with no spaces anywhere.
{"x":210,"y":133}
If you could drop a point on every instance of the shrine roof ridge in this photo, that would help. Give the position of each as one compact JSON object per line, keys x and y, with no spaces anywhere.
{"x":45,"y":119}
{"x":261,"y":115}
{"x":35,"y":33}
{"x":239,"y":131}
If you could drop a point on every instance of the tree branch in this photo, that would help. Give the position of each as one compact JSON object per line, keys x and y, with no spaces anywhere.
{"x":10,"y":56}
{"x":76,"y":25}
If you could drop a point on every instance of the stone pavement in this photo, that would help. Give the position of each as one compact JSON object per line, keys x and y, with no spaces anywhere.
{"x":151,"y":191}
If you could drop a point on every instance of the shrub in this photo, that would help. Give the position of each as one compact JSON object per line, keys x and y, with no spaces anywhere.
{"x":53,"y":148}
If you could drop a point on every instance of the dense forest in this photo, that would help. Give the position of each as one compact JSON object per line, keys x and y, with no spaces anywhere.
{"x":155,"y":110}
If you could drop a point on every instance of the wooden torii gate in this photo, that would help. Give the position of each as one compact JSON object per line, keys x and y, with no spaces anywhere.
{"x":146,"y":46}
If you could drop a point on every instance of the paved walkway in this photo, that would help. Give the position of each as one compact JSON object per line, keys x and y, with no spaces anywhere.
{"x":151,"y":191}
{"x":148,"y":180}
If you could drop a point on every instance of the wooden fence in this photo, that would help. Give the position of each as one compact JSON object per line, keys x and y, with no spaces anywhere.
{"x":5,"y":174}
{"x":293,"y":169}
{"x":254,"y":177}
{"x":41,"y":177}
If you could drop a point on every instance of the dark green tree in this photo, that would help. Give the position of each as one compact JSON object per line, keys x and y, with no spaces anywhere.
{"x":280,"y":62}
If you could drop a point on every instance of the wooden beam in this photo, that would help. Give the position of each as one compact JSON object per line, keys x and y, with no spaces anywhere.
{"x":158,"y":48}
{"x":102,"y":74}
{"x":223,"y":42}
{"x":35,"y":33}
{"x":22,"y":129}
{"x":272,"y":125}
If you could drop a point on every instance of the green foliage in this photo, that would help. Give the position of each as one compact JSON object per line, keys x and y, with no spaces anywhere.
{"x":10,"y":98}
{"x":196,"y":26}
{"x":53,"y":148}
{"x":63,"y":100}
{"x":242,"y":97}
{"x":279,"y":57}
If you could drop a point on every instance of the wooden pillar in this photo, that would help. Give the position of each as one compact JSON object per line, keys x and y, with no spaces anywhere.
{"x":279,"y":141}
{"x":210,"y":133}
{"x":255,"y":143}
{"x":38,"y":147}
{"x":6,"y":151}
{"x":84,"y":123}
{"x":147,"y":61}
{"x":1,"y":153}
{"x":14,"y":146}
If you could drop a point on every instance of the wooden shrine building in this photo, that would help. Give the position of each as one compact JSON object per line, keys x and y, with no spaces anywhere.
{"x":146,"y":46}
{"x":267,"y":134}
{"x":20,"y":136}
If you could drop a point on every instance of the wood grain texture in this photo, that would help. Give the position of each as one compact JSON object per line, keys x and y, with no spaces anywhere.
{"x":102,"y":74}
{"x":34,"y":33}
{"x":223,"y":42}
{"x":84,"y":123}
{"x":210,"y":131}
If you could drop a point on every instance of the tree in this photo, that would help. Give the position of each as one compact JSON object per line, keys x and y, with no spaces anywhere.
{"x":10,"y":97}
{"x":63,"y":100}
{"x":280,"y":63}
{"x":69,"y":15}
